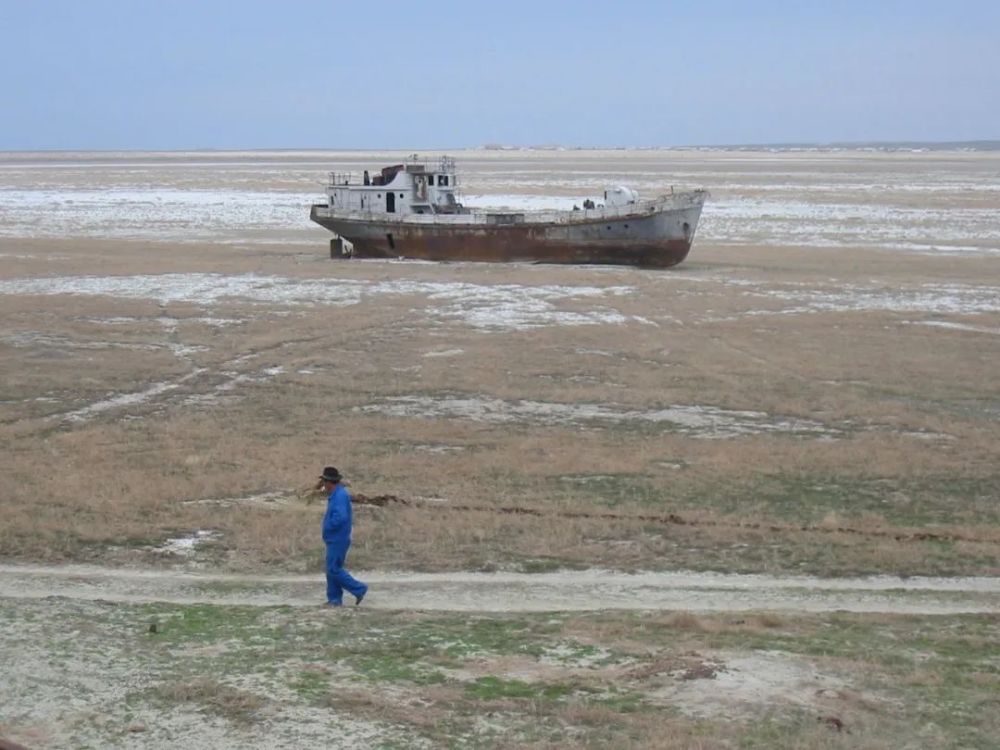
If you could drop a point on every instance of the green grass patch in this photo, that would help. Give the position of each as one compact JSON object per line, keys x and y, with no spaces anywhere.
{"x":205,"y":622}
{"x":495,"y":688}
{"x":391,"y":667}
{"x":311,"y":685}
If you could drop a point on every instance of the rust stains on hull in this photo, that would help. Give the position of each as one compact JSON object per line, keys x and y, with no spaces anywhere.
{"x":512,"y":244}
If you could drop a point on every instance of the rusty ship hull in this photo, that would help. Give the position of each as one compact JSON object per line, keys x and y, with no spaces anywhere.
{"x":651,"y":234}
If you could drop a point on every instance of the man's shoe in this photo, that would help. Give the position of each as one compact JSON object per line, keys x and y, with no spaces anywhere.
{"x":361,"y":596}
{"x":334,"y":604}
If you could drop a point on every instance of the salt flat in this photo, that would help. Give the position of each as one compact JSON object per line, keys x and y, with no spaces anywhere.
{"x":924,"y":202}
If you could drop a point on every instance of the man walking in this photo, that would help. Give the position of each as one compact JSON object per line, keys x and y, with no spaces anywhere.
{"x":337,"y":537}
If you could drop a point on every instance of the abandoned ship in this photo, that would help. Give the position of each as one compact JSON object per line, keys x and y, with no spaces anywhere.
{"x":411,"y":210}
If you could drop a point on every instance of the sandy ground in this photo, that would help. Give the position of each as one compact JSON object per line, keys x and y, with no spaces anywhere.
{"x":584,"y":590}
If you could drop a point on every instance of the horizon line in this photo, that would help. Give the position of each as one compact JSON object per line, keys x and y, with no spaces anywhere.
{"x":492,"y":146}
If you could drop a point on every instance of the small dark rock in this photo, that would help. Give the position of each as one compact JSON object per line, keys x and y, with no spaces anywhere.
{"x":832,"y":721}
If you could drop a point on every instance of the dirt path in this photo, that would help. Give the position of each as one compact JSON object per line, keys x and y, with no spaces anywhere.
{"x":517,"y":592}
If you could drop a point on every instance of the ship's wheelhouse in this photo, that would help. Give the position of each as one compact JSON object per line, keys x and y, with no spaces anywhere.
{"x":409,"y":188}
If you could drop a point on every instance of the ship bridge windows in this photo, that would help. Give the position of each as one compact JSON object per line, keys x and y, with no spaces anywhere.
{"x":442,"y":180}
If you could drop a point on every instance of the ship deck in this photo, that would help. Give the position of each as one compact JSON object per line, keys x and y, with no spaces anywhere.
{"x":491,"y":217}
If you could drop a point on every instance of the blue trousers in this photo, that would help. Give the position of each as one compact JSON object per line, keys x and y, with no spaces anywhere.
{"x":337,"y":578}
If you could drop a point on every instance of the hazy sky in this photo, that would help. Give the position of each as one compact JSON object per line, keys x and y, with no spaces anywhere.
{"x":152,"y":74}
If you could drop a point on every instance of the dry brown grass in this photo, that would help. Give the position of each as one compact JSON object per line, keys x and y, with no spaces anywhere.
{"x":124,"y":477}
{"x":424,"y":711}
{"x":216,"y":697}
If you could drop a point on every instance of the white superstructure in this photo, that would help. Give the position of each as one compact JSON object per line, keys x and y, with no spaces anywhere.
{"x":410,"y":188}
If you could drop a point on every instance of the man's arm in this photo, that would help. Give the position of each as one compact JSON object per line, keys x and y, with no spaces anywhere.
{"x":336,"y":514}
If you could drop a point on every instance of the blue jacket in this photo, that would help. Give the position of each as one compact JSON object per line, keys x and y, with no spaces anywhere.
{"x":337,"y":520}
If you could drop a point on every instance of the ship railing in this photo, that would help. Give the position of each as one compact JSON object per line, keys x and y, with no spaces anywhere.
{"x":444,"y":164}
{"x":340,"y":179}
{"x":679,"y":199}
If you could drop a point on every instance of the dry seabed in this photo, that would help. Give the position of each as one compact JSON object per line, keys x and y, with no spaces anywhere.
{"x":177,"y":351}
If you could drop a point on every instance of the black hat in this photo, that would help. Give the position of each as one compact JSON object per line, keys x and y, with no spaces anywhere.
{"x":330,"y":474}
